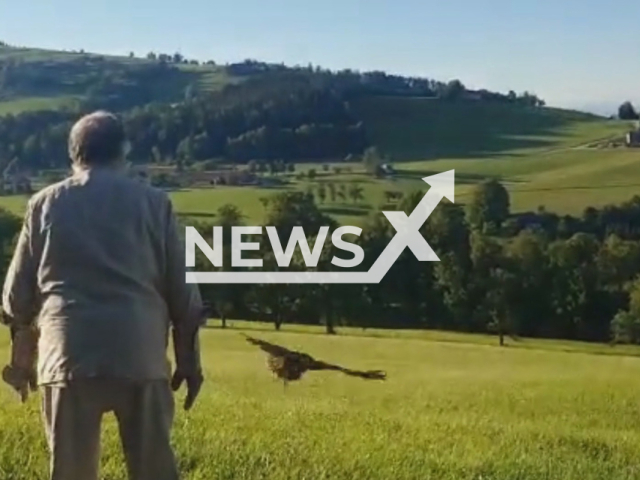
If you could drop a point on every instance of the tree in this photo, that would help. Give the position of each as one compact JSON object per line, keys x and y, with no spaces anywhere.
{"x":626,"y":111}
{"x":503,"y":284}
{"x":625,"y":325}
{"x":322,"y":192}
{"x":576,"y":298}
{"x":333,"y":192}
{"x":625,"y":328}
{"x":390,"y":195}
{"x":372,"y":160}
{"x":311,"y":174}
{"x":355,"y":192}
{"x":453,"y":90}
{"x":185,"y":149}
{"x":229,"y":215}
{"x":225,"y":297}
{"x":286,"y":210}
{"x":342,"y":192}
{"x":10,"y":226}
{"x":489,"y":205}
{"x":531,"y":302}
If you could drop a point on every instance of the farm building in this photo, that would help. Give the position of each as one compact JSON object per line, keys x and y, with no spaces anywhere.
{"x":222,"y":177}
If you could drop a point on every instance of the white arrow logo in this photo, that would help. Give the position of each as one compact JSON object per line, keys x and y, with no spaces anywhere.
{"x":407,"y":235}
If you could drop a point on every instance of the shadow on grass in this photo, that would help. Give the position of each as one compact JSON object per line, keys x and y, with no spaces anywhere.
{"x":461,"y":178}
{"x":197,"y":214}
{"x":428,"y":130}
{"x":356,"y":211}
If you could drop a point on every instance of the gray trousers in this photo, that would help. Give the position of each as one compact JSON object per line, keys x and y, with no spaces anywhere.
{"x":73,"y":413}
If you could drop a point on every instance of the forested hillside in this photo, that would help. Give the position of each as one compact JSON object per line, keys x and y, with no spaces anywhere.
{"x":177,"y":110}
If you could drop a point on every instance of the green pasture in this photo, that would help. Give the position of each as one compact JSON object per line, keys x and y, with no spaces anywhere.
{"x":421,"y":128}
{"x":27,"y":104}
{"x":565,"y":182}
{"x":453,"y":408}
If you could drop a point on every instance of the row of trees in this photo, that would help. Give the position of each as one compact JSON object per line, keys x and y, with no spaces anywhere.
{"x":334,"y":192}
{"x":517,"y":275}
{"x":104,"y":82}
{"x":498,"y":272}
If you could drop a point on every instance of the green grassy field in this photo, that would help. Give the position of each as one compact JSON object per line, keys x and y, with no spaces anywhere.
{"x":565,"y":182}
{"x":30,"y":104}
{"x":453,"y":407}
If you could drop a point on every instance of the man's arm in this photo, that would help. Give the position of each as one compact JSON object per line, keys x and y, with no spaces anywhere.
{"x":20,"y":307}
{"x":183,"y":299}
{"x":20,"y":295}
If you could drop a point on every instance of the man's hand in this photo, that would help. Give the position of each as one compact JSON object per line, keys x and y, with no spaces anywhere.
{"x":188,"y":368}
{"x":20,"y":374}
{"x":21,"y":381}
{"x":194,"y":382}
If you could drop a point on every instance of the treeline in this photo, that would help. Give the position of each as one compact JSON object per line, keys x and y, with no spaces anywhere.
{"x":511,"y":275}
{"x":501,"y":273}
{"x":284,"y":116}
{"x":101,"y":81}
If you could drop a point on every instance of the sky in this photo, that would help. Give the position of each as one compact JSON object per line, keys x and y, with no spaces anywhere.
{"x":572,"y":53}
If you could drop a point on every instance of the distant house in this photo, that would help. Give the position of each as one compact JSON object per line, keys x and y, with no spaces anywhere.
{"x":633,"y":139}
{"x":385,"y":170}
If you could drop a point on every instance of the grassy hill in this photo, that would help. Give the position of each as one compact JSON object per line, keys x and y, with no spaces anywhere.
{"x":421,"y":129}
{"x":72,"y":73}
{"x":541,"y":154}
{"x":453,"y":407}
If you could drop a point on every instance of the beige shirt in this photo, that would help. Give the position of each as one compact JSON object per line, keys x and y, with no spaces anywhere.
{"x":100,"y":266}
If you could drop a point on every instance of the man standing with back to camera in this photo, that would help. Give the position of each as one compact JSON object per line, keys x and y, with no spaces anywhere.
{"x":99,"y":272}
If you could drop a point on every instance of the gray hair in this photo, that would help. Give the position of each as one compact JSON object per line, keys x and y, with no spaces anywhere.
{"x":97,"y":139}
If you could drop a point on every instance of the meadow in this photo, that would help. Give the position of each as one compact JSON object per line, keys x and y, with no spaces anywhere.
{"x":562,"y":181}
{"x":453,"y":407}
